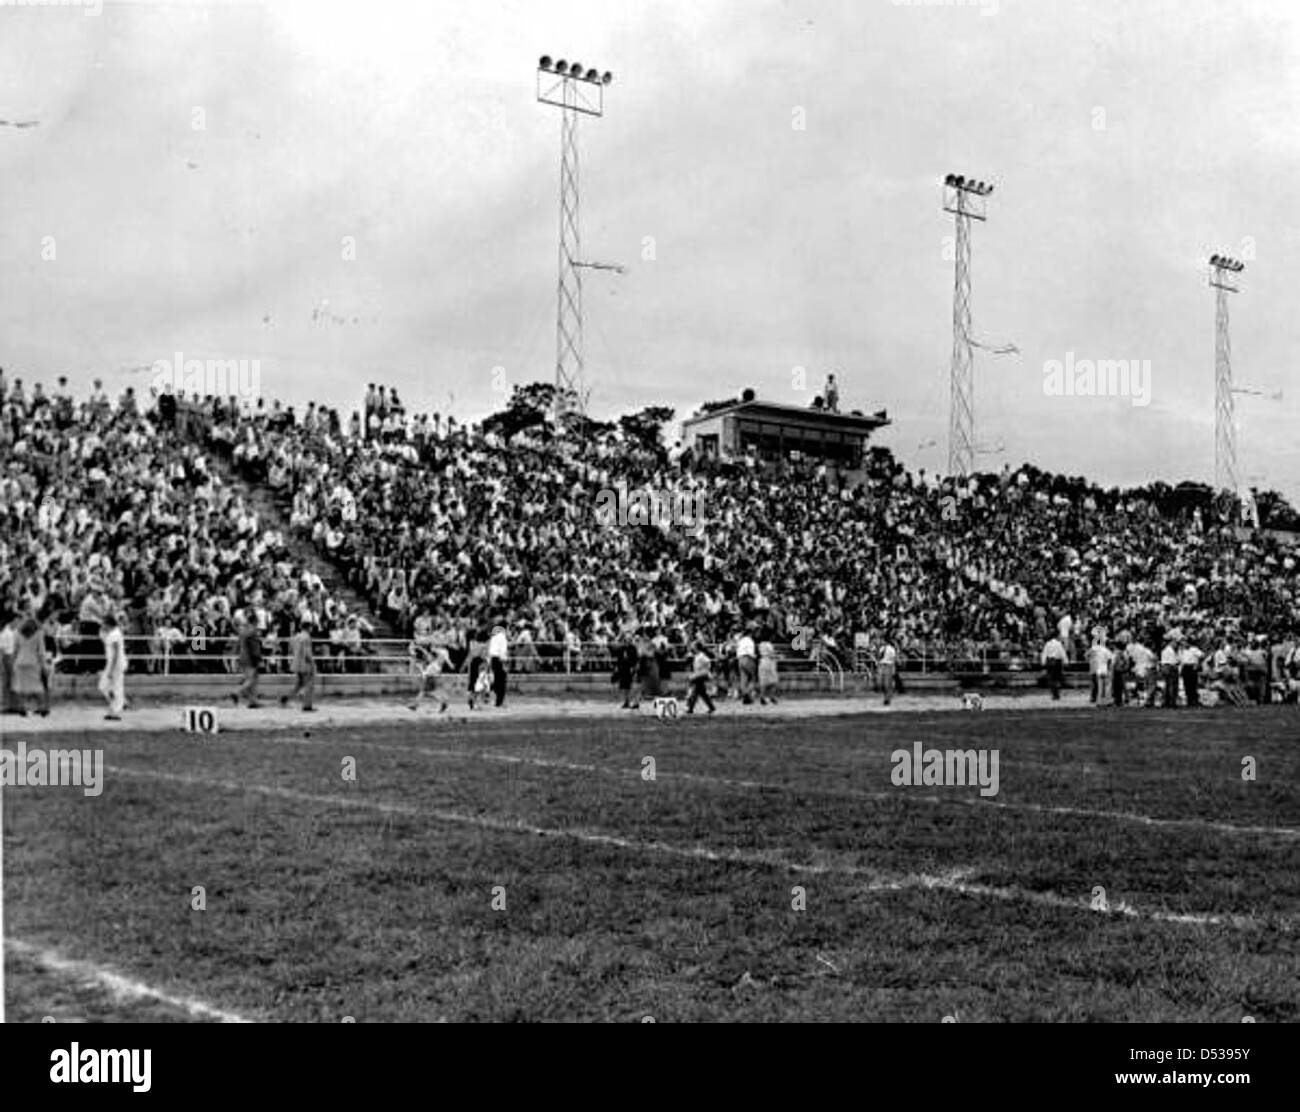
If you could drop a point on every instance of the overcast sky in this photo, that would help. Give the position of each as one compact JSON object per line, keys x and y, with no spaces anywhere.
{"x":769,"y":174}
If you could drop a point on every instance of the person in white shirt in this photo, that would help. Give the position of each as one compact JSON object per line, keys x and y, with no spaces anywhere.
{"x":1064,"y":627}
{"x":1054,"y":662}
{"x":1144,"y":671}
{"x":1293,"y":665}
{"x":1169,"y":670}
{"x":887,"y":661}
{"x":1289,"y":674}
{"x":1189,"y":664}
{"x":747,"y":660}
{"x":701,"y":673}
{"x":1222,"y":665}
{"x":1099,"y":658}
{"x":767,"y":672}
{"x":8,"y":646}
{"x":112,"y":681}
{"x":435,"y":660}
{"x":498,"y":652}
{"x":1121,"y":666}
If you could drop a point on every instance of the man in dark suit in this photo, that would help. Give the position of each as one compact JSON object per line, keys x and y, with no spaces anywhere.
{"x":250,"y":660}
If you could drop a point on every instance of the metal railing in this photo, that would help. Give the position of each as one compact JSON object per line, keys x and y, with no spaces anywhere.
{"x":987,"y":659}
{"x":207,"y":655}
{"x":828,"y":663}
{"x":204,"y":655}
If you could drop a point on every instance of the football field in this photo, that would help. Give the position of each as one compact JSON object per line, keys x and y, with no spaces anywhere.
{"x":745,"y":868}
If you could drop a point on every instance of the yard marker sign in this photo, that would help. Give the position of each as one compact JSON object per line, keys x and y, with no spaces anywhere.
{"x":665,"y":706}
{"x":199,"y":720}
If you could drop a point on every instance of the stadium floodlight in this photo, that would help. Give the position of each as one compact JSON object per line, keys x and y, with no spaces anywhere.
{"x":575,"y":91}
{"x":1221,"y":266}
{"x":568,"y":85}
{"x":1223,"y":269}
{"x":971,"y":187}
{"x":966,"y":198}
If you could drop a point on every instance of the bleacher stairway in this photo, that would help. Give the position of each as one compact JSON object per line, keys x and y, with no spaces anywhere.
{"x":272,"y":513}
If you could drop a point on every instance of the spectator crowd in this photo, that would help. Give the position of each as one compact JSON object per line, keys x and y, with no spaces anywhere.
{"x":106,"y":509}
{"x":448,"y":529}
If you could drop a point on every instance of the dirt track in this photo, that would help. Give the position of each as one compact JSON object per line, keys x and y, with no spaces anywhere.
{"x":351,"y":712}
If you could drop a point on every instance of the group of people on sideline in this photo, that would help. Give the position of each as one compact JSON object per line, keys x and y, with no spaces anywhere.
{"x":1236,"y":670}
{"x":743,"y":669}
{"x":28,"y":656}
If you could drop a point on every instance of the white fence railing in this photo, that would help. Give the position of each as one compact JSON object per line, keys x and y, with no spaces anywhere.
{"x":207,"y":655}
{"x":204,"y":654}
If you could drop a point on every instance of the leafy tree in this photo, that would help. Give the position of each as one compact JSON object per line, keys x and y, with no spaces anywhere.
{"x":530,"y":406}
{"x":586,"y":427}
{"x":645,"y":427}
{"x":1275,"y":512}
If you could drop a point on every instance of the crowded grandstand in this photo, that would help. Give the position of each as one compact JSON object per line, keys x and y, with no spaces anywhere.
{"x":206,"y":524}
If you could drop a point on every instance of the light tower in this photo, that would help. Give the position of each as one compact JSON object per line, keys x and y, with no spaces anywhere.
{"x":966,"y":199}
{"x":1223,"y":272}
{"x":575,"y":91}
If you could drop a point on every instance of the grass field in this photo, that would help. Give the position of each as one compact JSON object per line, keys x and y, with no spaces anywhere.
{"x":672,"y":898}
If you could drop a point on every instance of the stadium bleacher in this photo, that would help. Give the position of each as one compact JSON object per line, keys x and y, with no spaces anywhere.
{"x":450,"y":528}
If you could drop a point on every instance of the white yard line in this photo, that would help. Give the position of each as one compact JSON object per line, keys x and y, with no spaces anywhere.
{"x":119,"y":987}
{"x":876,"y":881}
{"x":841,"y":793}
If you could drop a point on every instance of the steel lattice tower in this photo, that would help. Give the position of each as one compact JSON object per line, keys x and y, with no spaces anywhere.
{"x":575,"y":91}
{"x":965,"y":199}
{"x":569,"y":371}
{"x":1223,"y":271}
